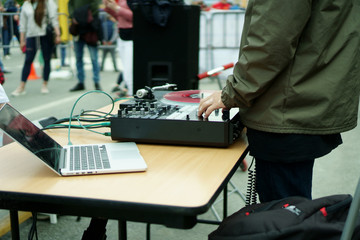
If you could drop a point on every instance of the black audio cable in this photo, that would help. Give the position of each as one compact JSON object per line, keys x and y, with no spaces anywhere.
{"x":251,"y":194}
{"x":33,"y":229}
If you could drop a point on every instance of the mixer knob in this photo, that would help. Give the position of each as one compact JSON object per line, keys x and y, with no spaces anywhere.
{"x":226,"y":115}
{"x":141,"y":93}
{"x":235,"y":136}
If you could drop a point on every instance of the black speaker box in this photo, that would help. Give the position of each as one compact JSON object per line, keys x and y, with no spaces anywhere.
{"x":168,"y":54}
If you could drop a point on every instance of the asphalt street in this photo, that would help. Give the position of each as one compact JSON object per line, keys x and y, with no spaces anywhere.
{"x":59,"y":102}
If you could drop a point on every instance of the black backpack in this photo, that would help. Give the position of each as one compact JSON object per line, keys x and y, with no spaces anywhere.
{"x":291,"y":218}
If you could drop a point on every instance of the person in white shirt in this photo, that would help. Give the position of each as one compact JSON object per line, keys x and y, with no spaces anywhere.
{"x":3,"y":99}
{"x":34,"y":18}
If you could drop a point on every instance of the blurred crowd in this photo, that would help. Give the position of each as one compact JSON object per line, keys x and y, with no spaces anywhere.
{"x":50,"y":25}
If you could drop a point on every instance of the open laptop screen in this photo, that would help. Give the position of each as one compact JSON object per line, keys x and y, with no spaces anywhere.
{"x":27,"y":134}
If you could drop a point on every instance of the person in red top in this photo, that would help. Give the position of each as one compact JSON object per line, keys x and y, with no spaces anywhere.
{"x":223,"y":4}
{"x":124,"y":16}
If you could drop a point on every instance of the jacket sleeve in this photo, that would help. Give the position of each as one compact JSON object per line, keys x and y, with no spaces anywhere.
{"x":23,"y":18}
{"x":271,"y":32}
{"x":53,"y":10}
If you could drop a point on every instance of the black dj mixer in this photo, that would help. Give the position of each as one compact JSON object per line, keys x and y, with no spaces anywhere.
{"x":159,"y":120}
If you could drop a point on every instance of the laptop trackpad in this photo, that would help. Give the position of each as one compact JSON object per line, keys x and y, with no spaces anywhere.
{"x":126,"y":158}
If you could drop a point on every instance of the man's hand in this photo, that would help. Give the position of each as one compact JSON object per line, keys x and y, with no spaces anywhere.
{"x":210,"y":103}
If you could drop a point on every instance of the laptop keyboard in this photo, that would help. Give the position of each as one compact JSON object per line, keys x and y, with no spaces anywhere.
{"x":89,"y":157}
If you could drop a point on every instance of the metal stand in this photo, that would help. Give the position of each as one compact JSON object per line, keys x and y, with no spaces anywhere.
{"x":224,"y":199}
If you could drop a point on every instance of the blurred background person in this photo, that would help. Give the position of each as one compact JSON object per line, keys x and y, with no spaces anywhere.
{"x":2,"y":9}
{"x":10,"y":26}
{"x":109,"y":40}
{"x":124,"y":16}
{"x":3,"y":99}
{"x":34,"y":16}
{"x":80,"y":29}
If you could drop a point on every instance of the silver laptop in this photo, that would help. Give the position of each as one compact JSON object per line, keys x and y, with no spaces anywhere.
{"x":72,"y":159}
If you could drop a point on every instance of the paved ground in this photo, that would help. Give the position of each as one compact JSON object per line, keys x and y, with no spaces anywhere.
{"x":335,"y":173}
{"x":59,"y":101}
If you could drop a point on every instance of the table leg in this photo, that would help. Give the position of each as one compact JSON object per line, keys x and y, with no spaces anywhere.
{"x":225,"y":206}
{"x":122,"y":230}
{"x":14,"y":221}
{"x":148,"y":231}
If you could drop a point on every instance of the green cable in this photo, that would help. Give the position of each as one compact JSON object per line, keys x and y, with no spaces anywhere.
{"x":72,"y":110}
{"x":106,"y":124}
{"x":86,"y":127}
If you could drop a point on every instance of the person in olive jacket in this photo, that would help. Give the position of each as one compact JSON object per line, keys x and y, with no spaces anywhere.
{"x":297,"y":85}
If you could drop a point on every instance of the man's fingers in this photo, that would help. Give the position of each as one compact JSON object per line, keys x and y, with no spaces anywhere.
{"x":209,"y":104}
{"x":204,"y":104}
{"x":209,"y":110}
{"x":202,"y":109}
{"x":206,"y":108}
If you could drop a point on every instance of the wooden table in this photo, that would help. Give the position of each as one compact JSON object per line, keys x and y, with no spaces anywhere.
{"x":181,"y":182}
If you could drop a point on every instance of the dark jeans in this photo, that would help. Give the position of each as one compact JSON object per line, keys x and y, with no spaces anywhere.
{"x":277,"y":180}
{"x":32,"y":44}
{"x":284,"y":162}
{"x":6,"y":41}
